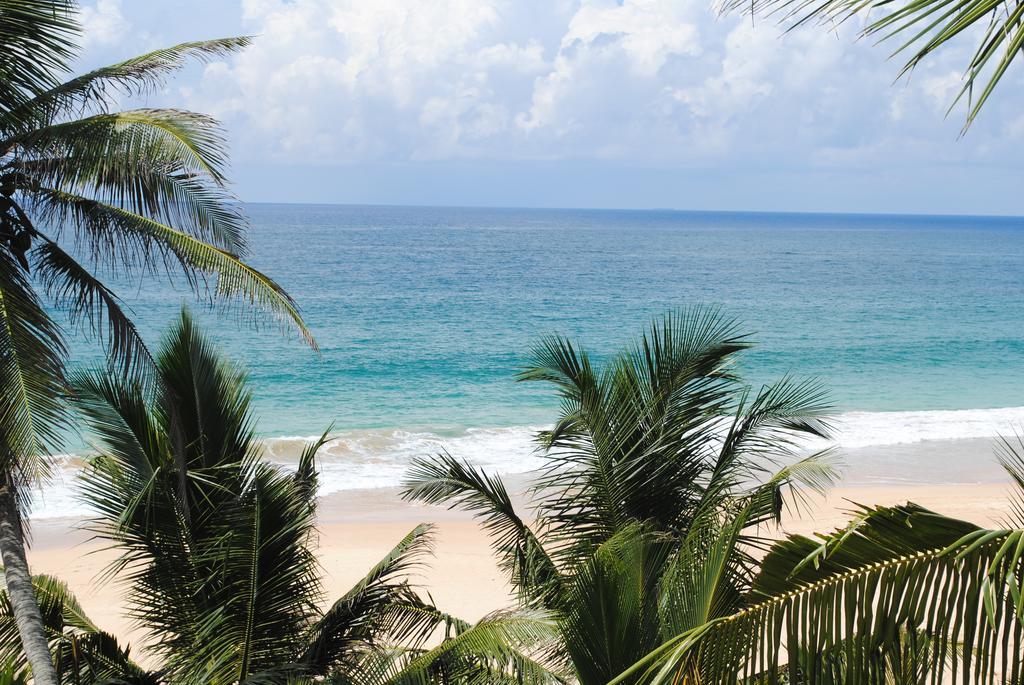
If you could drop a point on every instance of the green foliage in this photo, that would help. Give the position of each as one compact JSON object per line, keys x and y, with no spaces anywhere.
{"x":11,"y":674}
{"x":920,"y":28}
{"x":217,"y":548}
{"x":87,"y":191}
{"x":83,"y":653}
{"x":214,"y":541}
{"x":663,"y":469}
{"x":31,"y":376}
{"x":901,"y":594}
{"x":37,"y":41}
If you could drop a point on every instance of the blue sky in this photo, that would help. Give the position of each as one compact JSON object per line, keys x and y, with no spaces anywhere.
{"x":629,"y":103}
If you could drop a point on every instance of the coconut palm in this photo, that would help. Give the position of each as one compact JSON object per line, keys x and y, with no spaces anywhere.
{"x":663,"y":470}
{"x":86,"y":193}
{"x":83,"y":653}
{"x":918,"y":28}
{"x":900,"y":594}
{"x":217,"y":556}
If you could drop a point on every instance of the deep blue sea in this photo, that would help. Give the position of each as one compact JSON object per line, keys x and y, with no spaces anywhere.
{"x":424,"y":315}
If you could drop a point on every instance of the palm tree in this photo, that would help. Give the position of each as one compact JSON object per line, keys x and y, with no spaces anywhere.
{"x":83,"y":653}
{"x":919,"y":28}
{"x":663,"y":469}
{"x":86,"y":190}
{"x":217,"y":550}
{"x":901,"y":594}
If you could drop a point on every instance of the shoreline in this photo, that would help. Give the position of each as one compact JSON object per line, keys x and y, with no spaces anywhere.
{"x":347,"y":469}
{"x":357,"y":528}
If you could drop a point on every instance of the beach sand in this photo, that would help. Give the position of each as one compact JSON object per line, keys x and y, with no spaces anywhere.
{"x":358,"y":527}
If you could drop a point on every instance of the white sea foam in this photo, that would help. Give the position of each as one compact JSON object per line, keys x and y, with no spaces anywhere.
{"x":867,"y":429}
{"x":359,"y":459}
{"x":354,"y":460}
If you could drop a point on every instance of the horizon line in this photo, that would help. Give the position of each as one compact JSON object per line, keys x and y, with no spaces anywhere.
{"x":673,"y":210}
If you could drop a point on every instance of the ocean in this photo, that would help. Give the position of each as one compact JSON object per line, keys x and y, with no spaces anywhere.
{"x":424,"y":315}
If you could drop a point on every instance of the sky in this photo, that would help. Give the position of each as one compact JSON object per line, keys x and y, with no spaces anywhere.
{"x":575,"y":103}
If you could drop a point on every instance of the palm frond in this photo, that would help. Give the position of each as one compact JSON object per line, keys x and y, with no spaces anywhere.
{"x":38,"y":42}
{"x":87,"y":300}
{"x":762,"y":444}
{"x":135,"y":237}
{"x":921,"y":28}
{"x":447,"y":480}
{"x":306,"y":478}
{"x":500,"y":639}
{"x":32,"y":382}
{"x":132,"y":77}
{"x":355,"y":620}
{"x":165,"y":164}
{"x":192,"y":142}
{"x":858,"y":590}
{"x":790,"y":488}
{"x":1010,"y":453}
{"x":707,"y":576}
{"x":215,"y":545}
{"x":82,"y":651}
{"x":610,"y":615}
{"x":647,"y":438}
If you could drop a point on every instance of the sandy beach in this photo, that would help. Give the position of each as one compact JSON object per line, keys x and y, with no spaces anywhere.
{"x":359,"y":527}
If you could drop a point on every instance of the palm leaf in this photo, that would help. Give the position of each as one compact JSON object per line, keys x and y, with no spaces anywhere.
{"x":610,"y":615}
{"x":354,"y":620}
{"x":86,"y":298}
{"x":37,"y":41}
{"x":642,"y":439}
{"x":856,"y":592}
{"x":133,"y":77}
{"x":447,"y":480}
{"x":500,"y":638}
{"x":114,"y":229}
{"x":214,"y":543}
{"x":83,"y":652}
{"x":1010,"y":452}
{"x":923,"y":27}
{"x":193,"y":141}
{"x":31,"y":377}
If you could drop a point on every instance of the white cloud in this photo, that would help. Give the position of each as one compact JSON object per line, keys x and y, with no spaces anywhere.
{"x":942,"y":88}
{"x":645,"y":81}
{"x":103,"y":23}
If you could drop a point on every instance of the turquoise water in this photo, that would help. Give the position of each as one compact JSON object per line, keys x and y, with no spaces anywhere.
{"x":424,"y":315}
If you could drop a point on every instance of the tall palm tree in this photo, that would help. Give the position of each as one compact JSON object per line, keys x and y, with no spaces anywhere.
{"x":86,"y":190}
{"x":216,"y":550}
{"x":900,"y":594}
{"x":919,"y":28}
{"x":663,"y":469}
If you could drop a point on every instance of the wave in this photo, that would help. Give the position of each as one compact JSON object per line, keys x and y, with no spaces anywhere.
{"x":869,"y":429}
{"x":363,"y":459}
{"x":355,"y":460}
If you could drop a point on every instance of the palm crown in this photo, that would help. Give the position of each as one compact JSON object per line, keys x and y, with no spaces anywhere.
{"x":662,"y":467}
{"x":217,"y":555}
{"x":648,"y":547}
{"x":86,"y":192}
{"x":899,"y":595}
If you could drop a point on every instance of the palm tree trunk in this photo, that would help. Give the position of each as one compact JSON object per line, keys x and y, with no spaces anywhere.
{"x":20,"y":590}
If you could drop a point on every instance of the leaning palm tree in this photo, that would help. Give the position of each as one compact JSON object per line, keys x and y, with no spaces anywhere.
{"x":217,"y":556}
{"x":900,"y":594}
{"x":85,"y":192}
{"x":663,"y":467}
{"x":919,"y":28}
